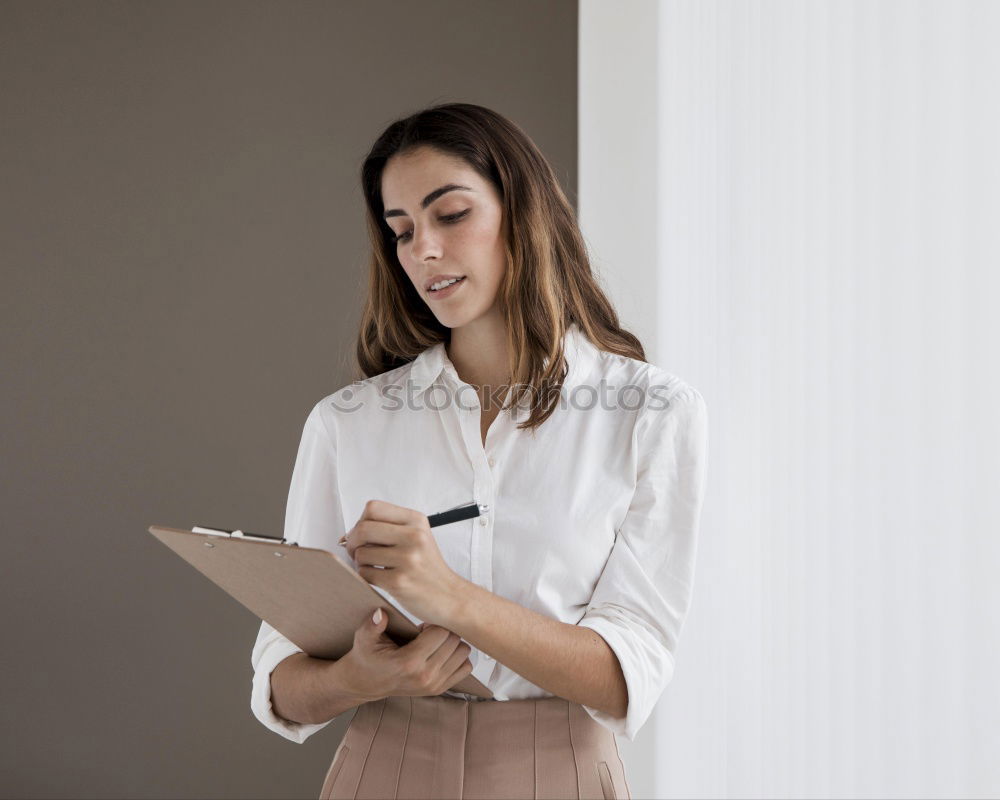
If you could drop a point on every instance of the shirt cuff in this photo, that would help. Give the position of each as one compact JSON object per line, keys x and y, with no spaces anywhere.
{"x":274,"y":652}
{"x":644,"y":681}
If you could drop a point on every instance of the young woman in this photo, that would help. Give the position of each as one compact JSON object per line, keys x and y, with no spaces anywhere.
{"x":495,"y":371}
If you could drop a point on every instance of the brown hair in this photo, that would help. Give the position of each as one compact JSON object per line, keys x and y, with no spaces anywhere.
{"x":547,"y":285}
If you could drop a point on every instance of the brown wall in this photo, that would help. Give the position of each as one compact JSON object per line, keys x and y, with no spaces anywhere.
{"x":182,"y":250}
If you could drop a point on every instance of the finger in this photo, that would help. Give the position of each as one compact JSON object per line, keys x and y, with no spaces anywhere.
{"x":439,"y":658}
{"x":375,"y":533}
{"x":371,"y":531}
{"x":427,"y":641}
{"x":377,"y":555}
{"x":464,"y":668}
{"x":373,"y":575}
{"x":455,"y":660}
{"x":383,"y":511}
{"x":344,"y":540}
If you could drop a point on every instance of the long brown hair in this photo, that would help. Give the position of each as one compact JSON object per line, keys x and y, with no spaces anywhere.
{"x":548,"y":283}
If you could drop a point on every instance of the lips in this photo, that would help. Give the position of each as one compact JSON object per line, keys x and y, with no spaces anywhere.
{"x":437,"y":279}
{"x":450,"y":281}
{"x":443,"y":294}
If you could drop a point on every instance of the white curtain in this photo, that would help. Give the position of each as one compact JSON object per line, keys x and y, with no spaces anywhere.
{"x":797,"y":205}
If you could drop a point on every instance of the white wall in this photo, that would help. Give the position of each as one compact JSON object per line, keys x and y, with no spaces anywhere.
{"x":619,"y":203}
{"x":820,"y":258}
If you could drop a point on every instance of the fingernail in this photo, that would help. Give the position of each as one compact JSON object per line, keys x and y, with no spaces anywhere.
{"x":377,"y":616}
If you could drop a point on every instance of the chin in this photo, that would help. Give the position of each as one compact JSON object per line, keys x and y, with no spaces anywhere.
{"x":452,"y":320}
{"x":457,"y":318}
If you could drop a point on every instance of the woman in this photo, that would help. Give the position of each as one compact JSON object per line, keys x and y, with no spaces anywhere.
{"x":495,"y":371}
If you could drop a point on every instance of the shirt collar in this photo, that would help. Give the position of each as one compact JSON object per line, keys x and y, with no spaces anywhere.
{"x":433,"y":363}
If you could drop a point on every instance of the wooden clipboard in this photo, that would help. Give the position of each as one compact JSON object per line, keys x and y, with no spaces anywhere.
{"x":307,"y":594}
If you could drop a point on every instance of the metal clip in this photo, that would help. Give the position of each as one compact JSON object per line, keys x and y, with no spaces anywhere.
{"x":463,"y":505}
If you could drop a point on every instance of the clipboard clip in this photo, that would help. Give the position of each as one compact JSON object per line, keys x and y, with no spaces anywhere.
{"x":239,"y":534}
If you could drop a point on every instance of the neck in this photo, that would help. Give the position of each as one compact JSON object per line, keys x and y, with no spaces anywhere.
{"x":478,"y":352}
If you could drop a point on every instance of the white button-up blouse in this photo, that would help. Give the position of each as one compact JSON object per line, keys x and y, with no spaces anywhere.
{"x":592,"y":521}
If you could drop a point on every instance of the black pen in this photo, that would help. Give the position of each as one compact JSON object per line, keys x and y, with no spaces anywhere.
{"x":456,"y":514}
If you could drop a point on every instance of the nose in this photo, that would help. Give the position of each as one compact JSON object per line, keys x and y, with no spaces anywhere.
{"x":425,"y":244}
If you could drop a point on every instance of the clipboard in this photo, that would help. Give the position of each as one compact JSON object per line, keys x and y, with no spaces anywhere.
{"x":307,"y":594}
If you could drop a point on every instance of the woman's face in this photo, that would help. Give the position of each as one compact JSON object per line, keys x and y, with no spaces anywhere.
{"x":457,"y":235}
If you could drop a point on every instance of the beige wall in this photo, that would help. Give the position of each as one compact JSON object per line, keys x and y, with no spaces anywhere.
{"x":182,"y":250}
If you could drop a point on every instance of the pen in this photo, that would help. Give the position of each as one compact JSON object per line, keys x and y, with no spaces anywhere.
{"x":456,"y":514}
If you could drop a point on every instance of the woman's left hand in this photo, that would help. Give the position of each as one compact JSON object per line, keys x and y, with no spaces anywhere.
{"x":400,"y":539}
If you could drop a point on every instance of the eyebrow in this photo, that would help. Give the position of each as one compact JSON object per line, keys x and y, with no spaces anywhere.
{"x":448,"y":187}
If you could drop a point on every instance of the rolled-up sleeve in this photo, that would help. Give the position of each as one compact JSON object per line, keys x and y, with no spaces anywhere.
{"x":641,"y":599}
{"x":313,"y":518}
{"x":270,"y":649}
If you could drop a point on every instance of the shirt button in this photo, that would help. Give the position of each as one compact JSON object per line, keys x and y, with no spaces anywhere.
{"x":482,"y":521}
{"x":492,"y":462}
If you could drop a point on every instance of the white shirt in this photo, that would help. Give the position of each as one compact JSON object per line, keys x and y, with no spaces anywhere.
{"x":592,"y":521}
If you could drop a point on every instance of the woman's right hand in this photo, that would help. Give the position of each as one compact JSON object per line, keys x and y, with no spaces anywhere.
{"x":430,"y":664}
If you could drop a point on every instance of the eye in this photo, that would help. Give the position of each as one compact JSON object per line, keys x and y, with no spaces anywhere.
{"x":448,"y":220}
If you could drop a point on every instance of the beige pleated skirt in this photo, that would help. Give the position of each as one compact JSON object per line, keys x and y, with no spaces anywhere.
{"x":447,"y":747}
